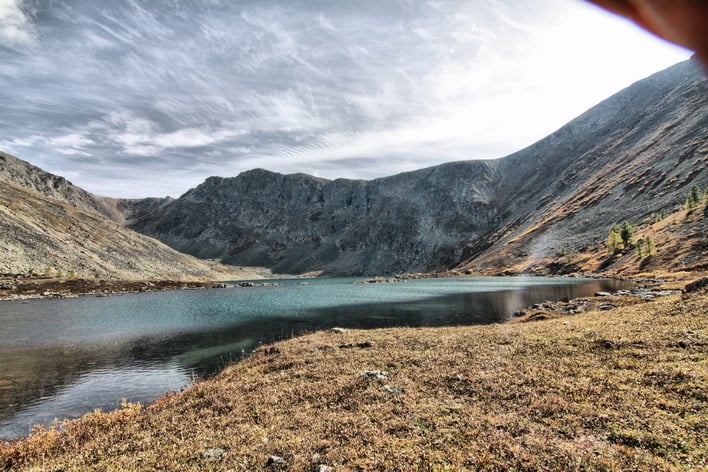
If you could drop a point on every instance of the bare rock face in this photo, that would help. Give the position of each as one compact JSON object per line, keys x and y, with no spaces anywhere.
{"x":298,"y":223}
{"x":627,"y":158}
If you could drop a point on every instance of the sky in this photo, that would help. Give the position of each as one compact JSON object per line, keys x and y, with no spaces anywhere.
{"x":147,"y":98}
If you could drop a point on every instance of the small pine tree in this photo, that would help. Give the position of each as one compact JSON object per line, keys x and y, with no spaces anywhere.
{"x":694,"y":198}
{"x":614,"y":240}
{"x":645,"y":247}
{"x":626,"y":233}
{"x":649,"y":246}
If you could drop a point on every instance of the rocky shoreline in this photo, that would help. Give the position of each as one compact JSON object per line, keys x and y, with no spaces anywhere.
{"x":602,"y":301}
{"x":25,"y":288}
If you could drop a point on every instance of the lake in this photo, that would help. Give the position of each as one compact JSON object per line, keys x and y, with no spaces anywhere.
{"x":63,"y":358}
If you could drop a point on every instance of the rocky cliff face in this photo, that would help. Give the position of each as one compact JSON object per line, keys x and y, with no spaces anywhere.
{"x":297,"y":223}
{"x":628,"y":158}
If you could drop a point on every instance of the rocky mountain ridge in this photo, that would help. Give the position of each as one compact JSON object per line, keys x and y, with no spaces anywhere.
{"x":630,"y":157}
{"x":55,"y":187}
{"x":298,"y":223}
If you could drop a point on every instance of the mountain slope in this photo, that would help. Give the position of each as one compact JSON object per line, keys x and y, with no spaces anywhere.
{"x":37,"y":233}
{"x":629,"y":157}
{"x":54,"y":187}
{"x":49,"y":225}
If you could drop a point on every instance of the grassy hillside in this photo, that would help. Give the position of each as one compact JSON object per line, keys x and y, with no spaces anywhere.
{"x":668,"y":242}
{"x":41,"y":235}
{"x":604,"y":390}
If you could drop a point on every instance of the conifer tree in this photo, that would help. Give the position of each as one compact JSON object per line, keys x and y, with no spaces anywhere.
{"x":694,"y":198}
{"x":614,"y":240}
{"x":626,"y":233}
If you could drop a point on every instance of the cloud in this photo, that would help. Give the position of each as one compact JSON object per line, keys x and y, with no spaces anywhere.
{"x":73,"y":140}
{"x":154,"y":96}
{"x":15,"y":26}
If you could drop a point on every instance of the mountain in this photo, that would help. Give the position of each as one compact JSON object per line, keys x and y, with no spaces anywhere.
{"x":297,"y":223}
{"x":58,"y":188}
{"x":48,"y":225}
{"x":631,"y":157}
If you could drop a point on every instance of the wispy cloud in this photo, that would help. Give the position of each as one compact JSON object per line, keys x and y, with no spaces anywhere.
{"x":15,"y":26}
{"x":143,"y":98}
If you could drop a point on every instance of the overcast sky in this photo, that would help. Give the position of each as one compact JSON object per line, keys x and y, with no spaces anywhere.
{"x":149,"y":97}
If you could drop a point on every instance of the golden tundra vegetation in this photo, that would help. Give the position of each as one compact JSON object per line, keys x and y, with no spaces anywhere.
{"x":678,"y":239}
{"x":623,"y":389}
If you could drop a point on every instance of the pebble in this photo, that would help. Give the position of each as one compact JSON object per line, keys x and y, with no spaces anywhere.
{"x":377,"y":374}
{"x":275,"y":460}
{"x":214,"y":454}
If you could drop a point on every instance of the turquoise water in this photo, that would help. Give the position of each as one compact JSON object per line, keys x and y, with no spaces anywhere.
{"x":63,"y":358}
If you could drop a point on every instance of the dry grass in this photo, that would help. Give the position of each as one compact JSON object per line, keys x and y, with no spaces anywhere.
{"x":680,"y":245}
{"x":617,"y":390}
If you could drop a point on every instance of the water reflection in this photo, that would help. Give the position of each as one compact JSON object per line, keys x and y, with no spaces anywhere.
{"x":64,"y":358}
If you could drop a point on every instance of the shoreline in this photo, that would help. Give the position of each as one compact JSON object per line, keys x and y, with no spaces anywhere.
{"x":24,"y":287}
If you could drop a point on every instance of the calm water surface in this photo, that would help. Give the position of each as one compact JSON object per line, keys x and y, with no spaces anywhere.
{"x":63,"y":358}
